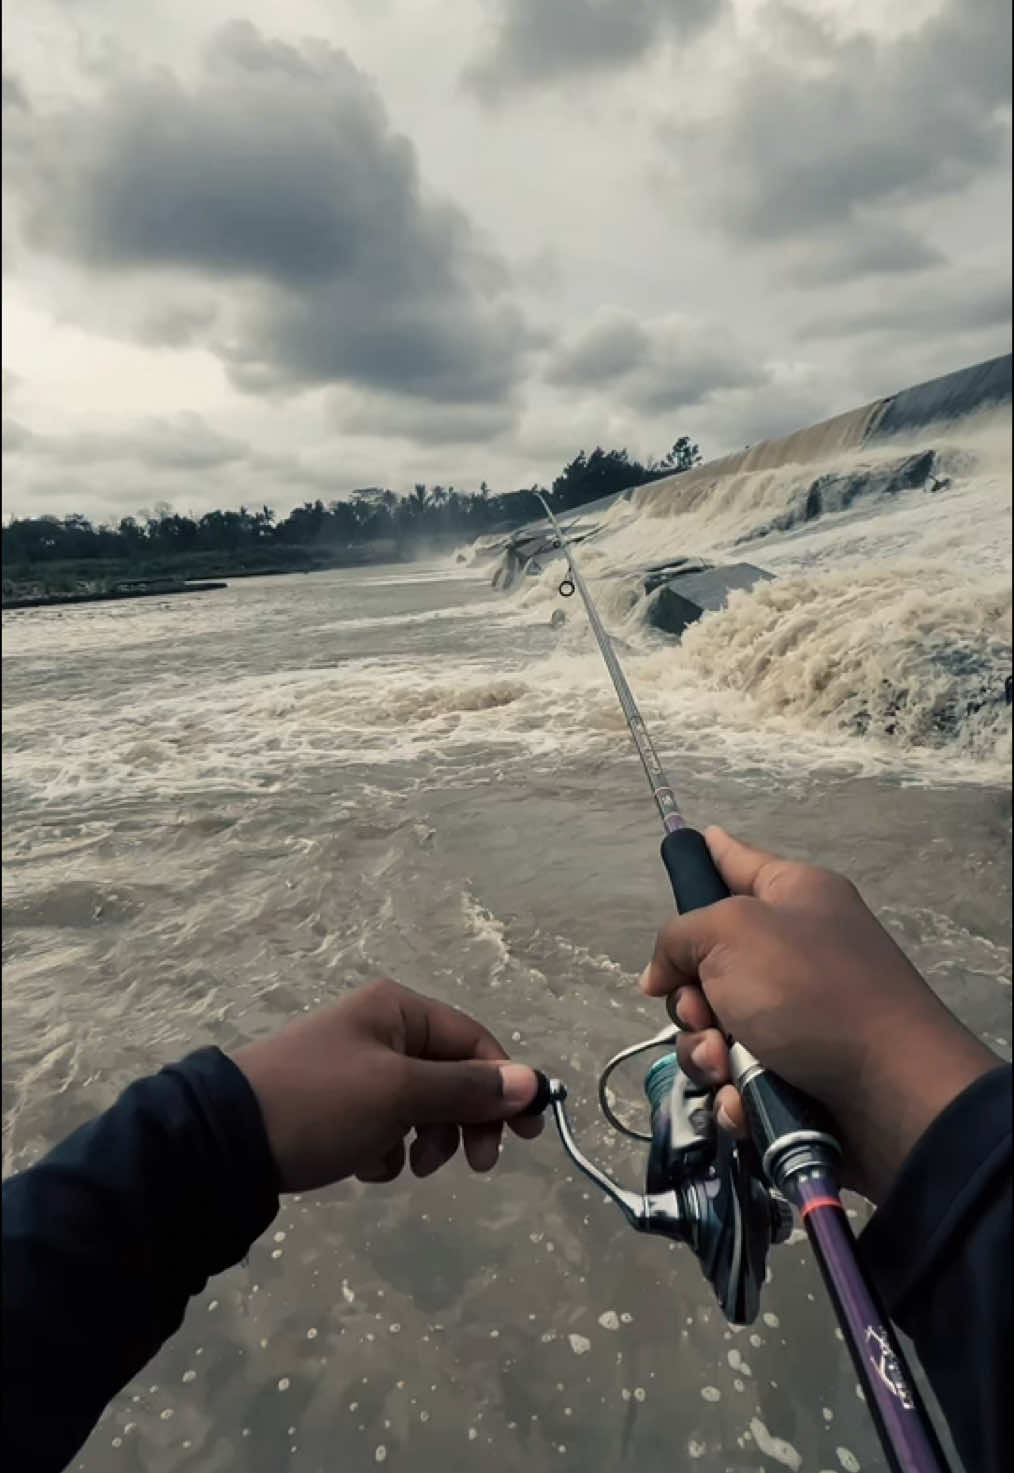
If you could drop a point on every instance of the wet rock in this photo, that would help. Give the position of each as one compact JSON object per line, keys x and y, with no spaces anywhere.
{"x":680,"y":600}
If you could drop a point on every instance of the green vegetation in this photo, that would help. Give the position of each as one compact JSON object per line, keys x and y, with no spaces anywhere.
{"x":53,"y":555}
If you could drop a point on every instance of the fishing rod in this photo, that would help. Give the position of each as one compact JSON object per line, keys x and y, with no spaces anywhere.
{"x":730,"y":1200}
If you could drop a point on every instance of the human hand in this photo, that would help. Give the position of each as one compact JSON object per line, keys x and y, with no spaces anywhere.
{"x":340,"y":1089}
{"x":801,"y":972}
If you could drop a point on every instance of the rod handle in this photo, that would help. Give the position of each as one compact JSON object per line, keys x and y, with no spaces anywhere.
{"x":695,"y":880}
{"x":778,"y":1113}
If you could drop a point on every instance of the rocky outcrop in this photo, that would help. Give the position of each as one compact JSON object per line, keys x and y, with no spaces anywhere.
{"x":678,"y":601}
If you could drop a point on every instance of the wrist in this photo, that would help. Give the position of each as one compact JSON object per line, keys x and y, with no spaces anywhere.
{"x":898,"y":1100}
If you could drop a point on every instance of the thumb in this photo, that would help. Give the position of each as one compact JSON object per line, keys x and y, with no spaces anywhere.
{"x":746,"y":871}
{"x":472,"y":1092}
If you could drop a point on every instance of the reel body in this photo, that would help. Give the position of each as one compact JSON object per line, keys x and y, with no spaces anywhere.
{"x":702,"y":1188}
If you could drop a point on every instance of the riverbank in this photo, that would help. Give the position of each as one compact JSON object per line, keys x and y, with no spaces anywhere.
{"x":40,"y":583}
{"x":158,"y":588}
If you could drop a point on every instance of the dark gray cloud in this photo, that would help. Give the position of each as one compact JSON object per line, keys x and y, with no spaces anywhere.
{"x":611,"y":346}
{"x":652,"y":367}
{"x":869,"y":249}
{"x":13,"y":93}
{"x":937,"y":308}
{"x":820,"y":127}
{"x":539,"y":41}
{"x":278,"y":176}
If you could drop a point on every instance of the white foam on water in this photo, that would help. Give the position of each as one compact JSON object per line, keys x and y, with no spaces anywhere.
{"x":882,"y":644}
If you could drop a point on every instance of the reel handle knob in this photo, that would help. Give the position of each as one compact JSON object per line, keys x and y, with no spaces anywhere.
{"x":541,"y":1099}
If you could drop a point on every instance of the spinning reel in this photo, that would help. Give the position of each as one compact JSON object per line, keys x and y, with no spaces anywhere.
{"x":702,"y":1187}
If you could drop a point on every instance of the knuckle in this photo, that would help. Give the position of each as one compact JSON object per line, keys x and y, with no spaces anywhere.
{"x":741,"y":911}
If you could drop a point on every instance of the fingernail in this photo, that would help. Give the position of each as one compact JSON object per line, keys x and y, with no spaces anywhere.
{"x":676,"y":1012}
{"x":699,"y":1056}
{"x":642,"y":980}
{"x":517,"y":1084}
{"x":724,"y":1118}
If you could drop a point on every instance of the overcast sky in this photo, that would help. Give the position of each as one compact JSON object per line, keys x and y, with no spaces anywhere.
{"x":260,"y":252}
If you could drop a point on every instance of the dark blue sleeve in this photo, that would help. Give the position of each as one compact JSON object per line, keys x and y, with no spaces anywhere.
{"x":106,"y":1238}
{"x":939,"y":1251}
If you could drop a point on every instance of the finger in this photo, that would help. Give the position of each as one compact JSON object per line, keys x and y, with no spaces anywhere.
{"x":469,"y":1092}
{"x":704,"y":1057}
{"x":688,"y":1008}
{"x":482,"y":1145}
{"x":435,"y":1030}
{"x":729,"y":1111}
{"x":528,"y":1127}
{"x":386,"y":1168}
{"x":746,"y":871}
{"x":433,"y":1147}
{"x":680,"y":947}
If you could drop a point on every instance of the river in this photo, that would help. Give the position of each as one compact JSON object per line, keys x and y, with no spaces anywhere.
{"x":223,"y":809}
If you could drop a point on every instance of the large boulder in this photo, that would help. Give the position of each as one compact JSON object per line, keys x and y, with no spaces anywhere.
{"x":680,"y":600}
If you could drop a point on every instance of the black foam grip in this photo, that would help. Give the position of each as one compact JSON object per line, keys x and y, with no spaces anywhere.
{"x":540,"y":1099}
{"x":695,"y":880}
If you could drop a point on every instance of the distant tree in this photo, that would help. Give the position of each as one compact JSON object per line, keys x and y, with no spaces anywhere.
{"x":602,"y":473}
{"x":225,"y":538}
{"x":681,"y":457}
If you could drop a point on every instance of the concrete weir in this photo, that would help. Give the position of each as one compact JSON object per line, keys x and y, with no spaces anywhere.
{"x":681,"y":591}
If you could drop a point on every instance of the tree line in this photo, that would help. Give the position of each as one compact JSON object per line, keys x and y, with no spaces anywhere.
{"x":435,"y":516}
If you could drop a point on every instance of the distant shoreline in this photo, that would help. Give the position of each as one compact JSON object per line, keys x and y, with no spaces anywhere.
{"x":106,"y":595}
{"x":47,"y":585}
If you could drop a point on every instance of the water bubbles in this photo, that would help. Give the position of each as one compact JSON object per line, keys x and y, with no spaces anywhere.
{"x":284,"y":1383}
{"x":848,"y":1460}
{"x":775,"y":1447}
{"x":311,"y":1334}
{"x":711,"y":1393}
{"x":609,"y":1320}
{"x":189,"y":1376}
{"x":579,"y":1344}
{"x":380,"y":1454}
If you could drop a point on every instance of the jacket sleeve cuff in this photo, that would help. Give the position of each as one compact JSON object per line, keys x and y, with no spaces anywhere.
{"x":240,"y":1173}
{"x":955,"y":1165}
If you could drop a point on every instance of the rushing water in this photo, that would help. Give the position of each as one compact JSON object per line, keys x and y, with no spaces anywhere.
{"x":223,"y":809}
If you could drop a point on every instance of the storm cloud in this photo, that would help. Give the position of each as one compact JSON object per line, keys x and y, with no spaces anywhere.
{"x":245,"y":266}
{"x":823,"y":125}
{"x":277,"y":173}
{"x":540,"y":41}
{"x":657,"y":366}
